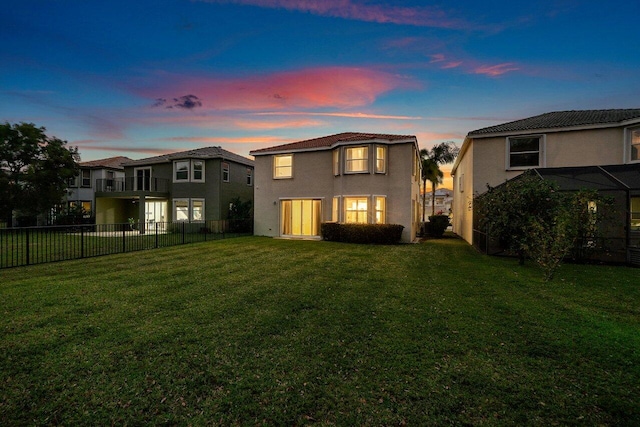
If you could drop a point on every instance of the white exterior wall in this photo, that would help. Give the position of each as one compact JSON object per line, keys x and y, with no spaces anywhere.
{"x":313,"y":178}
{"x":483,"y":162}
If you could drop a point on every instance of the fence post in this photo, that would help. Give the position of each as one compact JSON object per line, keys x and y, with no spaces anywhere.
{"x":156,"y":224}
{"x":28,"y":244}
{"x":183,"y":232}
{"x":124,"y":238}
{"x":81,"y":242}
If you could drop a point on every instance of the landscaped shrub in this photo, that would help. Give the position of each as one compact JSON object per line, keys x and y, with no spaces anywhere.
{"x":386,"y":234}
{"x":437,"y":225}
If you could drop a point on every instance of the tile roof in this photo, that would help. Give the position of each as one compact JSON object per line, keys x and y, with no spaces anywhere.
{"x":331,"y":140}
{"x":198,"y":153}
{"x":563,"y":119}
{"x":109,"y":163}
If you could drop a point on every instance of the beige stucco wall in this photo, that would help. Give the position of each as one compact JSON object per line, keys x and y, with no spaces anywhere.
{"x":484,"y":162}
{"x":313,"y":178}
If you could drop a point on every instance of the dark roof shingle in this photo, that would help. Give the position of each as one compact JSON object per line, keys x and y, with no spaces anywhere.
{"x":109,"y":163}
{"x":331,"y":140}
{"x":198,"y":153}
{"x":562,"y":119}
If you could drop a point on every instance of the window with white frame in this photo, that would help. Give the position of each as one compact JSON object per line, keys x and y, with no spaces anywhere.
{"x":356,"y":210}
{"x":197,"y":210}
{"x":86,"y":177}
{"x":380,"y":209}
{"x":197,"y":174}
{"x":225,"y":172}
{"x":181,"y":170}
{"x":634,"y":144}
{"x":336,"y":162}
{"x":524,"y":152}
{"x":381,"y":159}
{"x":283,"y":166}
{"x":249,"y":177}
{"x":188,"y":171}
{"x":72,"y":182}
{"x":181,"y":209}
{"x":356,"y":159}
{"x":335,"y":211}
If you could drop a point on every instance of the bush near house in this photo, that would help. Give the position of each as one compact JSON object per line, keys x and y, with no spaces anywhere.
{"x":385,"y":234}
{"x":436,"y":226}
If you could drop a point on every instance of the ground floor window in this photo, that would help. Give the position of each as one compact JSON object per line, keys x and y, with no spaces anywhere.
{"x":189,"y":210}
{"x":365,"y":209}
{"x":300,"y":217}
{"x":356,"y":210}
{"x":635,"y":214}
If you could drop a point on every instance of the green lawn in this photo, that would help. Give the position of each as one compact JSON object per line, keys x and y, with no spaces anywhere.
{"x":260,"y":331}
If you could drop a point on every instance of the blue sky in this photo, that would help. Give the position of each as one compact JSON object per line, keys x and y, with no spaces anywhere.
{"x":141,"y":78}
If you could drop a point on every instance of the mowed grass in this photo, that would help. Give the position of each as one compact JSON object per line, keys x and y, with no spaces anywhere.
{"x":257,"y":331}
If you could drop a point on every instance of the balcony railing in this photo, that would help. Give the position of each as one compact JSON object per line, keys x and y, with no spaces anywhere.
{"x":115,"y":185}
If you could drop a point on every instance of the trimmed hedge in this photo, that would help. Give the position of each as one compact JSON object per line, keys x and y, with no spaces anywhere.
{"x":384,"y":234}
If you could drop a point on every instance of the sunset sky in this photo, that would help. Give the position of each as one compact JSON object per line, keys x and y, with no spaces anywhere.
{"x":141,"y":78}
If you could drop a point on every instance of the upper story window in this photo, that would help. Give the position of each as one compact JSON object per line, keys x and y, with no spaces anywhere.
{"x":86,"y":177}
{"x":381,"y":159}
{"x":225,"y":172}
{"x":249,"y":177}
{"x":356,"y":159}
{"x":524,"y":152}
{"x":283,"y":166}
{"x":181,"y":169}
{"x":72,"y":182}
{"x":188,"y":171}
{"x":634,"y":142}
{"x":336,"y":162}
{"x":198,"y":170}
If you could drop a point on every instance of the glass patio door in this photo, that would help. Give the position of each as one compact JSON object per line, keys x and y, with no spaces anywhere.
{"x":300,"y":217}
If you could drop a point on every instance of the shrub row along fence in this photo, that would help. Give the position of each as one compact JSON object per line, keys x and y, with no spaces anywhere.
{"x":38,"y":245}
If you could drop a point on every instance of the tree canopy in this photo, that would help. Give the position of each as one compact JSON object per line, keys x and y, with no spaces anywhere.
{"x":34,"y":170}
{"x":439,"y":154}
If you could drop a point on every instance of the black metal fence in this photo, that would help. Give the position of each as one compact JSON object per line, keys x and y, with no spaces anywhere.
{"x":38,"y":245}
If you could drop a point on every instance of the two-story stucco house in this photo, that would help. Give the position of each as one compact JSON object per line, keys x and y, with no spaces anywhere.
{"x":554,"y":144}
{"x":192,"y":186}
{"x":82,"y":188}
{"x":348,"y":177}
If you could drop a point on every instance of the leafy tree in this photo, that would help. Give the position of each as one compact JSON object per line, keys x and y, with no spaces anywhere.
{"x":531,"y":217}
{"x":439,"y":154}
{"x":240,"y":217}
{"x":34,"y":170}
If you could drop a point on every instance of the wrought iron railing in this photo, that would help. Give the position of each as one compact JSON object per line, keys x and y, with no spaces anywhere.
{"x":160,"y":185}
{"x":38,"y":245}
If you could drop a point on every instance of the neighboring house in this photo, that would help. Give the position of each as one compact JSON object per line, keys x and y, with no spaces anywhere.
{"x":564,"y":139}
{"x":82,"y":188}
{"x":190,"y":186}
{"x":348,"y":177}
{"x":444,"y":199}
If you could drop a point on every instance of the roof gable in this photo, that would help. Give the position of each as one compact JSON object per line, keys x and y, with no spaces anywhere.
{"x":559,"y":120}
{"x":327,"y":142}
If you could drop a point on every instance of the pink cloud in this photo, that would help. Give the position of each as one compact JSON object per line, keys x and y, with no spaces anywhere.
{"x":496,"y":70}
{"x":339,"y":114}
{"x":335,"y":87}
{"x":360,"y":11}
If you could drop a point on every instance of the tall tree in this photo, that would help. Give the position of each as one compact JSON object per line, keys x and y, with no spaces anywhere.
{"x":34,"y":170}
{"x":439,"y":154}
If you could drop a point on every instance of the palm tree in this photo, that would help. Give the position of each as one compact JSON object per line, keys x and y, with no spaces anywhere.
{"x":440,"y":154}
